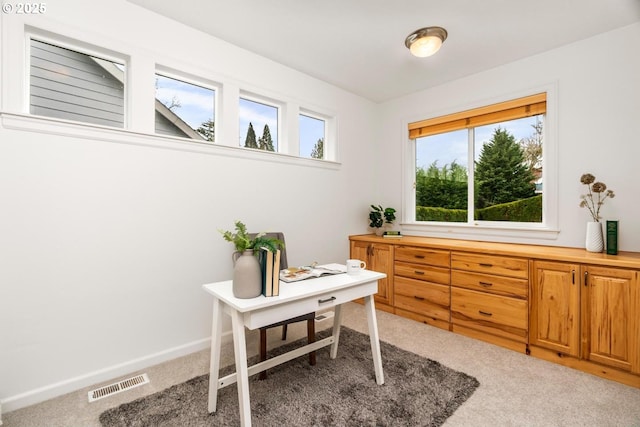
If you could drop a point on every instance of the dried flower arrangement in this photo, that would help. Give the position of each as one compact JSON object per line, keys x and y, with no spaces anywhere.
{"x":590,"y":200}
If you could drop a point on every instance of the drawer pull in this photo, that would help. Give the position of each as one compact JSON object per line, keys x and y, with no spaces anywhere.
{"x":486,"y":284}
{"x":418,"y":298}
{"x":485,"y":264}
{"x":322,"y":301}
{"x":418,"y":272}
{"x":419,"y":256}
{"x":485,"y":313}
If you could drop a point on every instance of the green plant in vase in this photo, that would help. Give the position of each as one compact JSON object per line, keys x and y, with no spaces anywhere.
{"x":242,"y":240}
{"x":379,"y":216}
{"x":247,"y":273}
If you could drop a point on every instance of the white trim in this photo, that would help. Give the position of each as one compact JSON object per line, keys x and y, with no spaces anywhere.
{"x":46,"y":125}
{"x":69,"y":385}
{"x":491,"y":231}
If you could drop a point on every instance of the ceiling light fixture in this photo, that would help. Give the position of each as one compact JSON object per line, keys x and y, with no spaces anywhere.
{"x":426,"y":41}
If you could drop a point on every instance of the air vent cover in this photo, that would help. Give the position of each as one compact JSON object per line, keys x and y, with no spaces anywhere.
{"x":118,"y":387}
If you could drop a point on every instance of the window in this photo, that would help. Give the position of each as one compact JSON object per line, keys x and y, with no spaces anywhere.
{"x":258,"y":118}
{"x":312,"y":135}
{"x":71,"y":85}
{"x":479,"y":165}
{"x":184,"y":109}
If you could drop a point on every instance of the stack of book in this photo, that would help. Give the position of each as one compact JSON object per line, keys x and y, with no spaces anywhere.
{"x":391,"y":234}
{"x":270,"y":265}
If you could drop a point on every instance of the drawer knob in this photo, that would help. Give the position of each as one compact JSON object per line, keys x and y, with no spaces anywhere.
{"x":485,"y":313}
{"x":486,"y":284}
{"x":322,"y":301}
{"x":419,"y":256}
{"x":486,"y":264}
{"x":418,"y":272}
{"x":418,"y":298}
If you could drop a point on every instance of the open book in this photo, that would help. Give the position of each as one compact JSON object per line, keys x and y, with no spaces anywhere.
{"x":294,"y":274}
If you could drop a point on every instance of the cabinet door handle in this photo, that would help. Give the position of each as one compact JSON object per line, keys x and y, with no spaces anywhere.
{"x":486,"y":284}
{"x":485,"y":313}
{"x":322,"y":301}
{"x":573,"y":277}
{"x":418,"y":272}
{"x":485,"y":264}
{"x":586,"y":276}
{"x":418,"y":298}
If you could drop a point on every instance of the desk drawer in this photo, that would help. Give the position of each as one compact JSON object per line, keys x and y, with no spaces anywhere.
{"x":499,"y":285}
{"x":491,"y":264}
{"x":422,"y":272}
{"x":495,"y":314}
{"x":286,"y":310}
{"x":422,"y":256}
{"x":428,"y":299}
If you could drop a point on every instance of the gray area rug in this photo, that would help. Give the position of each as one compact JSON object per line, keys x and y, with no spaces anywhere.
{"x":340,"y":392}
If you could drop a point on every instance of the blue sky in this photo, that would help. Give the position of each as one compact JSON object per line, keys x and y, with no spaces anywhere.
{"x":197,"y":103}
{"x":447,"y":147}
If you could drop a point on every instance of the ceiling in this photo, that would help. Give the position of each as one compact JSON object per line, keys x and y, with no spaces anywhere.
{"x":358,"y":45}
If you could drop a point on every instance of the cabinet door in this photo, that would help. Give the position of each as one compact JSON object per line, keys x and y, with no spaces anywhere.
{"x":379,"y":257}
{"x":610,"y":317}
{"x":555,"y":307}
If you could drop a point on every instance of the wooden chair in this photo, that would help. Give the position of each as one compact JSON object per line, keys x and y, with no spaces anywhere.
{"x":309,"y":317}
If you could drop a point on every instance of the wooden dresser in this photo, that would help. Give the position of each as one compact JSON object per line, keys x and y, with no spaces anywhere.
{"x":565,"y":305}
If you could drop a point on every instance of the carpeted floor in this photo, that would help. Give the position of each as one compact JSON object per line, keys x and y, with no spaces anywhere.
{"x":341,"y":392}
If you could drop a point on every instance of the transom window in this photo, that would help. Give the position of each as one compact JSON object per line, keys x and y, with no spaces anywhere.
{"x":71,"y":85}
{"x":258,"y":125}
{"x":312,"y":136}
{"x":184,"y":109}
{"x":480,"y":165}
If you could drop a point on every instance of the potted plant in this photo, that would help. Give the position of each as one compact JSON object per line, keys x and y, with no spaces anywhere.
{"x":593,"y":200}
{"x":242,"y":240}
{"x":247,"y":275}
{"x":379,"y":216}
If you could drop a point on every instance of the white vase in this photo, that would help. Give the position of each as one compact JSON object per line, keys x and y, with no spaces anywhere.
{"x":594,"y":241}
{"x":247,"y":276}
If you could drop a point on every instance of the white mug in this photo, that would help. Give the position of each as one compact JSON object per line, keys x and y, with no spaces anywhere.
{"x":355,"y":266}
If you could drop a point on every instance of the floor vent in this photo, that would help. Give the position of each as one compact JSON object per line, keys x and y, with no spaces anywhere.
{"x":118,"y":387}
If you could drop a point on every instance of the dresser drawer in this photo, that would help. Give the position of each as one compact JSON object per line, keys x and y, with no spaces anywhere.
{"x":422,"y":272}
{"x":494,"y":314}
{"x":499,"y":285}
{"x":492,"y":264}
{"x":422,"y":256}
{"x":428,"y":299}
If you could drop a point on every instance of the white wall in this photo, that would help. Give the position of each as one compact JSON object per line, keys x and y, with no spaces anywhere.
{"x":597,"y":110}
{"x":105,"y":242}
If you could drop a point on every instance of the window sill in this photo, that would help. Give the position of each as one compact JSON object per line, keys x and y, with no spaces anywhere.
{"x":45,"y":125}
{"x":487,"y":232}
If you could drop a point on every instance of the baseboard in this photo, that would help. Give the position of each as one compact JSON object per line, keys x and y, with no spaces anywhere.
{"x":73,"y":384}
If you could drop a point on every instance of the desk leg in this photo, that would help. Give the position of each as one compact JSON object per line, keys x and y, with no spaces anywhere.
{"x":240,"y":350}
{"x":373,"y":336}
{"x":337,"y":321}
{"x":214,"y":366}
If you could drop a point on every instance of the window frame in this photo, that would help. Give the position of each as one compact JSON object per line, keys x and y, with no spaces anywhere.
{"x":84,"y":49}
{"x":325,"y":121}
{"x":281,"y":125}
{"x":196,"y":81}
{"x":489,"y":230}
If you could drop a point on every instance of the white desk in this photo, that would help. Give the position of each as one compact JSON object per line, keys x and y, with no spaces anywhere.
{"x":295,"y":299}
